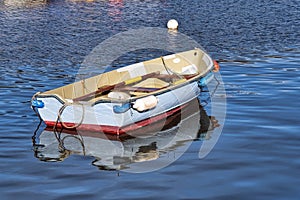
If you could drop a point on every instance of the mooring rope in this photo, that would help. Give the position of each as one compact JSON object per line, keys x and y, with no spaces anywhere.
{"x":33,"y":107}
{"x":63,"y":124}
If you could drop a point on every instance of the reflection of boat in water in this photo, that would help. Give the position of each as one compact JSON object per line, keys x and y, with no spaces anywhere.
{"x":130,"y":152}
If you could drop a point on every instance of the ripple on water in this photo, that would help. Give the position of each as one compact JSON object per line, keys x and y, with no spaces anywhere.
{"x":257,"y":44}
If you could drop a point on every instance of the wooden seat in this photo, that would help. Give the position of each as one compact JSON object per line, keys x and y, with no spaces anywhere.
{"x":151,"y":83}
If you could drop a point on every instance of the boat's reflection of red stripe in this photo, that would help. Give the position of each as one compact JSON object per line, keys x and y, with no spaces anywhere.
{"x":116,"y":129}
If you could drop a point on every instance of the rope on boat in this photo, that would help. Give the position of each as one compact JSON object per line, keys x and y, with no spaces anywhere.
{"x":169,"y":70}
{"x":61,"y":142}
{"x":33,"y":107}
{"x":63,"y":124}
{"x":84,"y":87}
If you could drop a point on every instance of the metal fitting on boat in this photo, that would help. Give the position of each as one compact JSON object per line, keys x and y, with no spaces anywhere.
{"x":37,"y":103}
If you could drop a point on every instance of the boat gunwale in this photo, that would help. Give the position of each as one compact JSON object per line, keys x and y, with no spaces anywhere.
{"x":123,"y":101}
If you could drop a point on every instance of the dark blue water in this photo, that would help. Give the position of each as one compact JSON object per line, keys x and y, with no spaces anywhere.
{"x":258,"y":46}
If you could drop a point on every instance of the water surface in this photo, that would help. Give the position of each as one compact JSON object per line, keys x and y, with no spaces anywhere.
{"x":257,"y":44}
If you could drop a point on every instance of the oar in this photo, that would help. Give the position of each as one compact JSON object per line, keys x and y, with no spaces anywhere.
{"x":140,"y":89}
{"x":169,"y":77}
{"x":107,"y":88}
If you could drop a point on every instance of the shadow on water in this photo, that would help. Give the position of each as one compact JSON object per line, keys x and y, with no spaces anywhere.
{"x":113,"y":152}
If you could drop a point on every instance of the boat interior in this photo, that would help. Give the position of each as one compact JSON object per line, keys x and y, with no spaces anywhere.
{"x":141,"y":79}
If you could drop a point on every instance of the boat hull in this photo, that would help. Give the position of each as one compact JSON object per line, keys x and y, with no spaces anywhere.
{"x":102,"y":117}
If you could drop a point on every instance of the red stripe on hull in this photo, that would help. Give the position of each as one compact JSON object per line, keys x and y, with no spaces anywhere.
{"x":115,"y":129}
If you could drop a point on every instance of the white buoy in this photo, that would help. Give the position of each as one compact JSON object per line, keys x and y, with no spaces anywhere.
{"x":172,"y":24}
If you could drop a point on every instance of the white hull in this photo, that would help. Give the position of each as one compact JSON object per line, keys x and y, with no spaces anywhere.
{"x":102,"y":114}
{"x":118,"y":104}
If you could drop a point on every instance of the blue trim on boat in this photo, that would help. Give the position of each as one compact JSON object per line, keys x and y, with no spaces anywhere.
{"x":121,"y":109}
{"x":37,"y":103}
{"x":205,"y":80}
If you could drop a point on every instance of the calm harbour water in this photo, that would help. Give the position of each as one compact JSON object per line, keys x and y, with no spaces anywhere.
{"x":258,"y":46}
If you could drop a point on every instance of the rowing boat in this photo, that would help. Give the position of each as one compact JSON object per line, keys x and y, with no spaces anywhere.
{"x":127,"y":98}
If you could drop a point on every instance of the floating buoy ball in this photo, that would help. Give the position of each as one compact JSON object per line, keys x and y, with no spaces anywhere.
{"x":172,"y":24}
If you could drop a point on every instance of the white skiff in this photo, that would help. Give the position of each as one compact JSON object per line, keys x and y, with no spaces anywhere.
{"x":127,"y":98}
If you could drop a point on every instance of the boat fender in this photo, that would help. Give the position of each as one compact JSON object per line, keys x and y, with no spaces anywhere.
{"x":145,"y":103}
{"x":205,"y":80}
{"x":37,"y":103}
{"x":121,"y":109}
